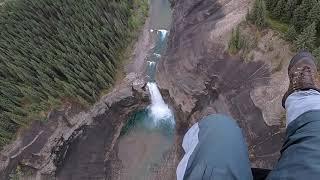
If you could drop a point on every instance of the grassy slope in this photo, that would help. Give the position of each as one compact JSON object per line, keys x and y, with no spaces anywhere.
{"x":283,"y":27}
{"x":277,"y":25}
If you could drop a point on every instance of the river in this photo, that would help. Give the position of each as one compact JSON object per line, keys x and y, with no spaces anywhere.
{"x":148,"y":135}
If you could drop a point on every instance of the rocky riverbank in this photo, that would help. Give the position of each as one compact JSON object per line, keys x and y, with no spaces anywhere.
{"x":72,"y":140}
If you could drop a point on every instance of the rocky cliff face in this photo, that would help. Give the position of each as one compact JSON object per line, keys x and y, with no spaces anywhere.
{"x":76,"y":145}
{"x":199,"y":78}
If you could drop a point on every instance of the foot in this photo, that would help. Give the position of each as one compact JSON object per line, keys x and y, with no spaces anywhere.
{"x":303,"y":74}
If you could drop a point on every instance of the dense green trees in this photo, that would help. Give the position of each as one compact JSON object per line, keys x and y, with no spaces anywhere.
{"x":300,"y":13}
{"x":278,"y":10}
{"x":316,"y":54}
{"x":270,"y":4}
{"x":303,"y":16}
{"x":52,"y":49}
{"x":291,"y":34}
{"x":290,"y":6}
{"x":314,"y":15}
{"x":300,"y":16}
{"x":306,"y":40}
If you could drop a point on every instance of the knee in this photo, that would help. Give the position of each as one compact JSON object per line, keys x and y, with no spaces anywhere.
{"x":216,"y":127}
{"x":218,"y":120}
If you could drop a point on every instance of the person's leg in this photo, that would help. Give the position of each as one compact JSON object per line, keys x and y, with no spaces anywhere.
{"x":300,"y":154}
{"x":214,"y":149}
{"x":301,"y":102}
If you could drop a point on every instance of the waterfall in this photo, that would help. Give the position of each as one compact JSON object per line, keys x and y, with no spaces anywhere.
{"x":163,"y":33}
{"x":151,"y":63}
{"x":158,"y":110}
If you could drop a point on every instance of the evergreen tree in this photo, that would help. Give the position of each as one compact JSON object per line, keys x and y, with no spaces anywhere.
{"x":316,"y":54}
{"x":235,"y":41}
{"x":290,"y":7}
{"x":291,"y":34}
{"x":300,"y":16}
{"x":278,"y":11}
{"x":258,"y":14}
{"x":306,"y":40}
{"x":314,"y":15}
{"x":271,"y":4}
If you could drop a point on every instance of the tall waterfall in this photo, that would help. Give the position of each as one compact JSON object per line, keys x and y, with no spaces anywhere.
{"x":158,"y":110}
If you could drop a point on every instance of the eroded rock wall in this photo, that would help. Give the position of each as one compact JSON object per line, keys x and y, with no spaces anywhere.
{"x":77,"y":146}
{"x":199,"y":78}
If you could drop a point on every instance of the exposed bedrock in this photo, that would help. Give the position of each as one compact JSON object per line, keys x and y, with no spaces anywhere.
{"x":198,"y":78}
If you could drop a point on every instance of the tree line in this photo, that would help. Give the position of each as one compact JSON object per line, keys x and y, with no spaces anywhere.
{"x":302,"y":16}
{"x":55,"y":49}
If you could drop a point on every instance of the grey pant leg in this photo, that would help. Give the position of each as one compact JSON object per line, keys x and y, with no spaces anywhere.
{"x":215,"y":149}
{"x":300,"y":154}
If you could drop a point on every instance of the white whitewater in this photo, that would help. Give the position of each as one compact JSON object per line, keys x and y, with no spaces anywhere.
{"x":163,"y":33}
{"x":157,"y":55}
{"x":159,"y":110}
{"x":151,"y":63}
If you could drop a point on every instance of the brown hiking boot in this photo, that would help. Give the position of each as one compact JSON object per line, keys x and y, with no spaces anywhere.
{"x":303,"y":74}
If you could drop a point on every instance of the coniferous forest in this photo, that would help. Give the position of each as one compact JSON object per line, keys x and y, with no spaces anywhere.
{"x":303,"y":17}
{"x":56,"y":49}
{"x":299,"y":20}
